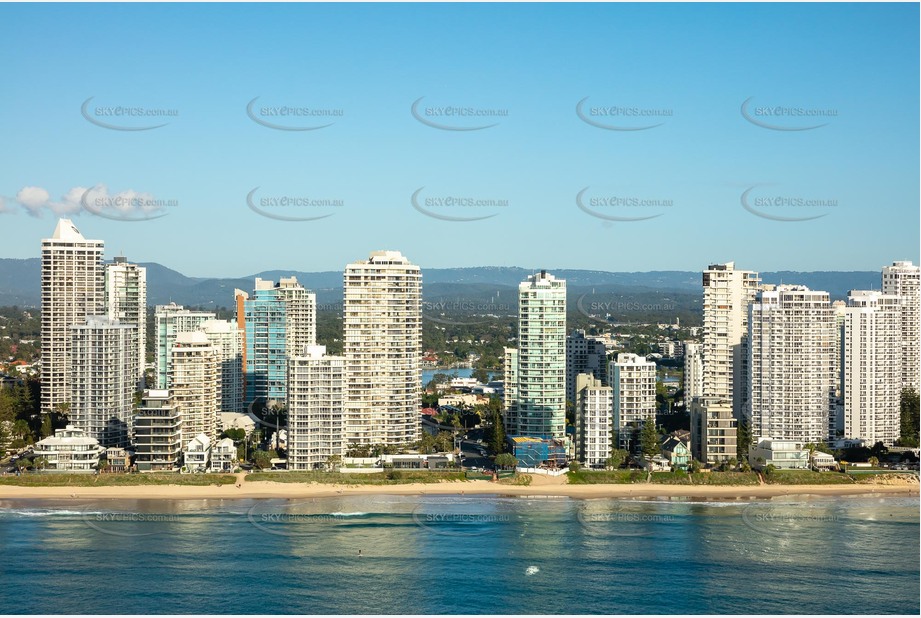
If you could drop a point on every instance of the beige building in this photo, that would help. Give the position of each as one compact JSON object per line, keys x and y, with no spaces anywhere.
{"x":382,"y":346}
{"x":195,"y":376}
{"x":713,"y":430}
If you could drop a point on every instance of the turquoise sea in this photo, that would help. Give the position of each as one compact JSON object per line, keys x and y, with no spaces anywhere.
{"x":457,"y":554}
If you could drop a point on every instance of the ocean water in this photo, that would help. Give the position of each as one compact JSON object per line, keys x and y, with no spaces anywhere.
{"x":457,"y":554}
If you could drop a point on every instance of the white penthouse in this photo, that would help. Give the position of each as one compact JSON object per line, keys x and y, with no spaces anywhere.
{"x":69,"y":450}
{"x":158,"y":432}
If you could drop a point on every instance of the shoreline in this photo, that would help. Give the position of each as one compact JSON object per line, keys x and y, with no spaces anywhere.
{"x":273,"y":490}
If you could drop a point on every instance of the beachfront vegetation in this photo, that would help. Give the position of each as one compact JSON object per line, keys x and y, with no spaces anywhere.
{"x":805,"y":477}
{"x":56,"y":479}
{"x":392,"y":477}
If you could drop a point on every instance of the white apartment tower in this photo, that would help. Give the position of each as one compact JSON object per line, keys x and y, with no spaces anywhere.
{"x":791,"y":352}
{"x":195,"y":379}
{"x":693,"y":371}
{"x":72,"y":288}
{"x":584,"y":354}
{"x":316,"y":393}
{"x":903,"y":279}
{"x":171,"y":320}
{"x":633,"y":381}
{"x":103,"y":379}
{"x":227,"y":339}
{"x":727,"y":294}
{"x":594,"y":421}
{"x":126,"y":301}
{"x":871,"y":367}
{"x":382,"y":345}
{"x":539,"y":407}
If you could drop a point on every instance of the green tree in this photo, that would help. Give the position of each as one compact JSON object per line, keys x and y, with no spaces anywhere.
{"x":444,"y":441}
{"x":695,"y":466}
{"x":743,"y":439}
{"x":333,"y":462}
{"x":481,"y":375}
{"x":262,"y":459}
{"x":235,"y":434}
{"x":909,"y":412}
{"x":649,"y":437}
{"x":574,"y":466}
{"x":617,"y":459}
{"x":506,"y":461}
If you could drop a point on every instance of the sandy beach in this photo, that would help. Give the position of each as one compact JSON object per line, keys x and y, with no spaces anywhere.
{"x":541,"y":487}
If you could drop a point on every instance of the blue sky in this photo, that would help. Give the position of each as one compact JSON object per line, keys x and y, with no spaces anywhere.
{"x":687,"y":68}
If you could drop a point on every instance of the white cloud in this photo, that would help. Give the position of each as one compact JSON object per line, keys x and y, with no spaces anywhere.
{"x":97,"y":200}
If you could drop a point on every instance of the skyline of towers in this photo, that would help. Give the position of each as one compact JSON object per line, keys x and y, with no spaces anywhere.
{"x":382,"y":345}
{"x":539,"y":405}
{"x":72,"y":288}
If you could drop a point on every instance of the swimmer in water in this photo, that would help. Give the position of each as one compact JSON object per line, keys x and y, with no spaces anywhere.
{"x":359,"y":553}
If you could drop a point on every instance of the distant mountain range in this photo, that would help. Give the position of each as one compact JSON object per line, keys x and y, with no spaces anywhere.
{"x":20,"y":283}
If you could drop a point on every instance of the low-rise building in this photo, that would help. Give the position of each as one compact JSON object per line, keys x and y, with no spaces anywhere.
{"x":198,"y":453}
{"x":158,"y":432}
{"x":677,"y":450}
{"x":538,"y":452}
{"x":713,"y":429}
{"x":782,"y":454}
{"x":655,"y":463}
{"x":823,"y":461}
{"x":69,"y":450}
{"x":117,"y":459}
{"x":224,"y":456}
